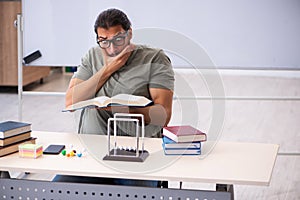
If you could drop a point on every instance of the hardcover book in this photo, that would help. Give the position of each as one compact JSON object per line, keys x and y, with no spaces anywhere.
{"x":168,"y":143}
{"x":11,"y":128}
{"x":182,"y":151}
{"x":15,"y":138}
{"x":12,"y":148}
{"x":184,"y":133}
{"x":117,"y":100}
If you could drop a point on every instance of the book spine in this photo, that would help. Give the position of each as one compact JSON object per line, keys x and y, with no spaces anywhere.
{"x":187,"y":152}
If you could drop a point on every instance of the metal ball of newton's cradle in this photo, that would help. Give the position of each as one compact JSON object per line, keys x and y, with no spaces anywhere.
{"x":120,"y":153}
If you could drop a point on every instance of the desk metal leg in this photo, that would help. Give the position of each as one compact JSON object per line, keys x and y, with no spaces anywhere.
{"x":225,"y":188}
{"x":163,"y":184}
{"x":4,"y":174}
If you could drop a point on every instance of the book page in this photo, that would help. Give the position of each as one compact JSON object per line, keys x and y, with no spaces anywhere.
{"x":98,"y":101}
{"x":128,"y":99}
{"x":104,"y":101}
{"x":101,"y":101}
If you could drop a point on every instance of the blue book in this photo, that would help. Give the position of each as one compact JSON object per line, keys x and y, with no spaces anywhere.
{"x":168,"y":143}
{"x":181,"y":151}
{"x":12,"y":128}
{"x":171,"y":147}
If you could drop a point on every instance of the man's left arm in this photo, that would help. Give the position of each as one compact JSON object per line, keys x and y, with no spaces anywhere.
{"x":160,"y":112}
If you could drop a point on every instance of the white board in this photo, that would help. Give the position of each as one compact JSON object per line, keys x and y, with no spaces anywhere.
{"x":234,"y":34}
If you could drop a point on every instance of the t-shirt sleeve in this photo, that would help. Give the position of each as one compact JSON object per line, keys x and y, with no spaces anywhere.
{"x":162,"y":74}
{"x":85,"y":69}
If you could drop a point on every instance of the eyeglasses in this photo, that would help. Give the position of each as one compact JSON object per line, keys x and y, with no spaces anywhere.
{"x":118,"y":40}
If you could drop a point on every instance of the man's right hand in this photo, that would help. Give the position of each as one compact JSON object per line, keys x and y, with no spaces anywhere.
{"x":115,"y":63}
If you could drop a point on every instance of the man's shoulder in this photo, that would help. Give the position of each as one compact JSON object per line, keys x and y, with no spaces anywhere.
{"x":94,"y":50}
{"x":148,"y":50}
{"x":93,"y":54}
{"x":150,"y":53}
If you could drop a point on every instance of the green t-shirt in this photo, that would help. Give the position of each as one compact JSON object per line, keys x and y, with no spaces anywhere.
{"x":145,"y":68}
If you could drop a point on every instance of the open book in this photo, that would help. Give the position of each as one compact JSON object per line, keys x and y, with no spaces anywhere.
{"x":117,"y":100}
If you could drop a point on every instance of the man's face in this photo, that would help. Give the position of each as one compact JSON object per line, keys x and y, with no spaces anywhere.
{"x":113,"y":40}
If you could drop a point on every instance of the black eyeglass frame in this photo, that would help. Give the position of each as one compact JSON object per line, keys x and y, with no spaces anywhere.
{"x":113,"y":40}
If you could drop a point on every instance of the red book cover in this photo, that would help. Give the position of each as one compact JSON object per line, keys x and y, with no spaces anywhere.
{"x":184,"y":133}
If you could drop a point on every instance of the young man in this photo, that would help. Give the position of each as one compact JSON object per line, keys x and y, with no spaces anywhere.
{"x":117,"y":66}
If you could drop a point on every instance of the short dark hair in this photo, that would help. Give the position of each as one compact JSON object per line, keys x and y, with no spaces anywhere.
{"x":112,"y":17}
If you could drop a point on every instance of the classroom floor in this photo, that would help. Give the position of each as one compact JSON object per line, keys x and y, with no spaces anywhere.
{"x":279,"y":120}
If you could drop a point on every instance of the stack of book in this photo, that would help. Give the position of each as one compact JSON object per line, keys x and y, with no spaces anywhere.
{"x":182,"y":140}
{"x":12,"y":134}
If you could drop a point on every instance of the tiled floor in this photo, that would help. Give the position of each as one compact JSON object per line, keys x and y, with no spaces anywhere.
{"x":268,"y":121}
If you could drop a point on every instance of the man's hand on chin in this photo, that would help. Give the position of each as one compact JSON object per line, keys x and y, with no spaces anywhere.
{"x":119,"y":58}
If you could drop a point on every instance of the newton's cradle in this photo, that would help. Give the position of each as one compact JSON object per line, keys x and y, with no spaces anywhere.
{"x":120,"y":153}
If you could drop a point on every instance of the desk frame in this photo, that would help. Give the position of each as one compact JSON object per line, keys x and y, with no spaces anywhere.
{"x":29,"y":189}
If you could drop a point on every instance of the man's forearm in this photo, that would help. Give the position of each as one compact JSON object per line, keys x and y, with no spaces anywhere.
{"x":155,"y":114}
{"x":86,"y":89}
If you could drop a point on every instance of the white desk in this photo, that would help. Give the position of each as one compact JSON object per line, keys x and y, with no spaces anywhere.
{"x":228,"y":163}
